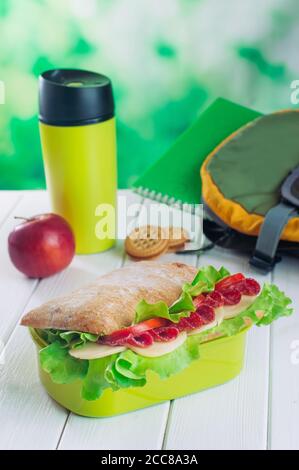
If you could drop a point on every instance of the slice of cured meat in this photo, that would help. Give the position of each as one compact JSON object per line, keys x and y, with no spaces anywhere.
{"x":203,"y":315}
{"x":165,"y":333}
{"x":248,"y":287}
{"x":214,"y":299}
{"x":231,"y":296}
{"x":199,"y":300}
{"x":142,"y":341}
{"x":229,"y":281}
{"x":206,"y":313}
{"x":116,"y":339}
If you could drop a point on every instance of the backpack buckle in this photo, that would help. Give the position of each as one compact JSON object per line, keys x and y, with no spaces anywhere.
{"x":262,"y":262}
{"x":264,"y":256}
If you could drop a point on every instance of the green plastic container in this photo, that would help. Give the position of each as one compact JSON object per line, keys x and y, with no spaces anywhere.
{"x":221,"y":360}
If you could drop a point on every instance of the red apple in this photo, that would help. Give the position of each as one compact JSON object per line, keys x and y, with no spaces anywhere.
{"x":42,"y":245}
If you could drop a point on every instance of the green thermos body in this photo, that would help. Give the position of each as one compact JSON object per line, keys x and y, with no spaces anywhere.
{"x":78,"y":138}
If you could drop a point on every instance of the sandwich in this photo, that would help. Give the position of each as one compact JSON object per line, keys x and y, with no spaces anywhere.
{"x":146,"y":316}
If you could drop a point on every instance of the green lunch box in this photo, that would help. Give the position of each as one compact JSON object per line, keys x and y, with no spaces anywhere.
{"x":220,"y":360}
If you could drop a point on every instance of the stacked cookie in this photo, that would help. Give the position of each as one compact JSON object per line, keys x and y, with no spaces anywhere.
{"x":151,"y":241}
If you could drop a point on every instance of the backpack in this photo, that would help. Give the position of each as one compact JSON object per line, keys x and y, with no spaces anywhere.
{"x":250,"y":190}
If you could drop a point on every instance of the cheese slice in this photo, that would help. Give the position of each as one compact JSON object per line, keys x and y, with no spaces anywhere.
{"x":95,"y":351}
{"x":230,"y":311}
{"x":219,"y":315}
{"x":159,"y":349}
{"x":203,"y":328}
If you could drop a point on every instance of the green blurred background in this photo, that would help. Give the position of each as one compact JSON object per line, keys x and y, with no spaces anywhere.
{"x":168,"y":59}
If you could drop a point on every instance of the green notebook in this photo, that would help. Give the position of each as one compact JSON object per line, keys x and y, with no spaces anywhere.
{"x":175,"y":176}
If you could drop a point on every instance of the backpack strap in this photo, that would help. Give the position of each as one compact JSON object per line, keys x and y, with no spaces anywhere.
{"x":264,"y":256}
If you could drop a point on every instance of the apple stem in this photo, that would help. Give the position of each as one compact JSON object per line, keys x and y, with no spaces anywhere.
{"x":21,"y":218}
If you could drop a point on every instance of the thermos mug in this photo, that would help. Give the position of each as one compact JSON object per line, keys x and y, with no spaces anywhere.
{"x":77,"y":129}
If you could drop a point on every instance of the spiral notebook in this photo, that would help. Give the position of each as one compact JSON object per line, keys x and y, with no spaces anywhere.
{"x":174,"y":179}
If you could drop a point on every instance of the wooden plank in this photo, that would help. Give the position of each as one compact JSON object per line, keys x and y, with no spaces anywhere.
{"x":230,"y":416}
{"x":8,"y":199}
{"x":233,"y":415}
{"x":31,"y":420}
{"x":142,"y":429}
{"x":284,"y":422}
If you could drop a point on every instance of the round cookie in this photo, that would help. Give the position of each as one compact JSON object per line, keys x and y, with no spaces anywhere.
{"x":146,"y":242}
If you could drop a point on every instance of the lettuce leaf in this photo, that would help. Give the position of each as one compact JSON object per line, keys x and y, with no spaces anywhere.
{"x":271,"y":301}
{"x":129,"y":369}
{"x":68,"y":339}
{"x":63,"y":368}
{"x":204,"y":281}
{"x":171,"y":363}
{"x":183,"y":304}
{"x":75,"y":339}
{"x":95,"y":381}
{"x":146,"y":311}
{"x":120,"y":374}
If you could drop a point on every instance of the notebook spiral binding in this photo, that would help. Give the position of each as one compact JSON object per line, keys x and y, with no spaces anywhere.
{"x":195,"y":209}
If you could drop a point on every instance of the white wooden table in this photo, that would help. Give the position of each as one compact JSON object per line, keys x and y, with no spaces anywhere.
{"x":257,"y":410}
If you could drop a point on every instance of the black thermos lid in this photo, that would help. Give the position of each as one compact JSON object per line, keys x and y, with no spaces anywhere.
{"x":69,"y":97}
